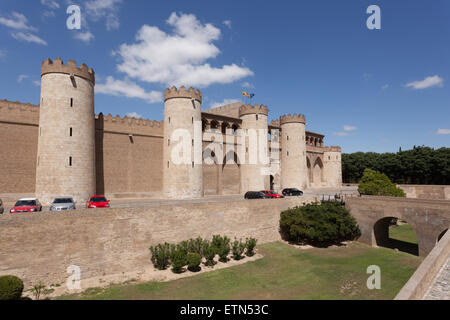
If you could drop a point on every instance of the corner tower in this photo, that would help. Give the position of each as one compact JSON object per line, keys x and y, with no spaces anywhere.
{"x":332,"y":166}
{"x":66,"y":141}
{"x":254,"y":168}
{"x":293,"y":156}
{"x":182,"y":174}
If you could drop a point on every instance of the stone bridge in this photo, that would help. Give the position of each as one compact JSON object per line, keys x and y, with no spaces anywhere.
{"x":429,"y":219}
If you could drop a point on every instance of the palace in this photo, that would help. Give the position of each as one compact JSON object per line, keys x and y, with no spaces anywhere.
{"x":61,"y":147}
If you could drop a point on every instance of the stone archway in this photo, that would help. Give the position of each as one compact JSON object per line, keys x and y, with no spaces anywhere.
{"x":382,"y":237}
{"x":441,"y":235}
{"x":309,"y":169}
{"x":230,"y":177}
{"x":211,"y":170}
{"x":317,"y":172}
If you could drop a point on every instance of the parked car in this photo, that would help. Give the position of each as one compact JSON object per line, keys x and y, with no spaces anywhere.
{"x":289,"y":192}
{"x":97,"y":202}
{"x":1,"y":207}
{"x":255,"y":195}
{"x":271,"y":194}
{"x":60,"y":204}
{"x":26,"y":205}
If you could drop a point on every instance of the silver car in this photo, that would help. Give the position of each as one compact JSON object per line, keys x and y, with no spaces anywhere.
{"x":1,"y":207}
{"x":63,"y":203}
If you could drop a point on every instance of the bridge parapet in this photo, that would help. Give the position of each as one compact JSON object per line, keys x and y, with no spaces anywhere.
{"x":428,"y":218}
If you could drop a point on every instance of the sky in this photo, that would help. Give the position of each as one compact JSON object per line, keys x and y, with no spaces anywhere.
{"x":364,"y":89}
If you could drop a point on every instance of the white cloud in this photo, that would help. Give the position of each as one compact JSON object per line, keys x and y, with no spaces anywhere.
{"x":37,"y":83}
{"x":178,"y":58}
{"x":443,"y":131}
{"x":108,"y":9}
{"x":28,"y":37}
{"x":50,"y":3}
{"x":349,"y":128}
{"x":341,"y":134}
{"x":84,"y":36}
{"x":248,"y":85}
{"x":17,"y":21}
{"x":2,"y":53}
{"x":128,"y":89}
{"x":227,"y":23}
{"x":426,"y":83}
{"x":223,"y":103}
{"x":384,"y":87}
{"x":134,"y":115}
{"x":21,"y":77}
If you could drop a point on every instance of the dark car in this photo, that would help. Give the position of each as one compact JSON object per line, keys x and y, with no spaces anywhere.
{"x":292,"y":192}
{"x":26,"y":205}
{"x":255,"y":195}
{"x":97,"y":202}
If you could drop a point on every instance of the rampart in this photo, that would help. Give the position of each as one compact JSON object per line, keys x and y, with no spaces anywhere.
{"x":113,"y":241}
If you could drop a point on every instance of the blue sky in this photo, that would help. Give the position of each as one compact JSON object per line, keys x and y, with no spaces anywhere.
{"x":366,"y":90}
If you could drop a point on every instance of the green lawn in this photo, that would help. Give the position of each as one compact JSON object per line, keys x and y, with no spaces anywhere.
{"x":403,"y":233}
{"x":285,"y":272}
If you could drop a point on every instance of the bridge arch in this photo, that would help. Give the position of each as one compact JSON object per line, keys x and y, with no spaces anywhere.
{"x":383,"y":237}
{"x":441,"y":235}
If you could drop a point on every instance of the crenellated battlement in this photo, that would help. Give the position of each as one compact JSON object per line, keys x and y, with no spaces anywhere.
{"x":127,"y":125}
{"x":300,"y":118}
{"x":275,"y":123}
{"x":191,"y":93}
{"x":332,"y":149}
{"x":58,"y":66}
{"x":256,"y":109}
{"x":15,"y":111}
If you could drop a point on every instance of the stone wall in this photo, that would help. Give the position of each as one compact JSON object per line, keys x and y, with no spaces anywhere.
{"x":40,"y":247}
{"x":426,"y":191}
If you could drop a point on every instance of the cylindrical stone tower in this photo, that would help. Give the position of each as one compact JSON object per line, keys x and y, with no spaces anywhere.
{"x":182,"y":164}
{"x":66,"y":142}
{"x":332,"y":166}
{"x":254,"y":170}
{"x":293,"y":155}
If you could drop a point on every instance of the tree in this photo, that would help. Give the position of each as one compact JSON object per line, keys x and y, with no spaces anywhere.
{"x":375,"y":183}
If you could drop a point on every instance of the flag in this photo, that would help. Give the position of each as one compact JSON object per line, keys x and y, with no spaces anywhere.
{"x":245,"y":94}
{"x":251,"y":95}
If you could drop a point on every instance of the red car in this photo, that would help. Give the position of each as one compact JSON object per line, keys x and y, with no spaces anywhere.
{"x":97,"y":202}
{"x":26,"y":205}
{"x":272,"y":194}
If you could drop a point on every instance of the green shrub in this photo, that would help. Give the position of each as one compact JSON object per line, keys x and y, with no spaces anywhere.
{"x":374,"y":183}
{"x":161,"y":255}
{"x":193,"y":261}
{"x":209,"y":252}
{"x":237,"y":249}
{"x":318,"y":224}
{"x":217,"y":242}
{"x":250,"y":244}
{"x":224,"y":251}
{"x":178,"y":259}
{"x":11,"y":288}
{"x":196,"y":246}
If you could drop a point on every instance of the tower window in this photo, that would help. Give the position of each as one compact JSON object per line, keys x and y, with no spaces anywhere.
{"x":287,"y":137}
{"x":192,"y":119}
{"x":168,"y":142}
{"x":70,"y":161}
{"x":192,"y":164}
{"x":256,"y":117}
{"x":70,"y":131}
{"x":192,"y":142}
{"x":71,"y":102}
{"x":287,"y":153}
{"x":169,"y":119}
{"x":167,"y":164}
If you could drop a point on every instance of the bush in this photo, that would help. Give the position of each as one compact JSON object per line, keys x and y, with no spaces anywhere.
{"x":178,"y":259}
{"x":11,"y":288}
{"x":209,"y":252}
{"x":238,"y":249}
{"x":193,"y":261}
{"x":318,"y":224}
{"x":161,"y":256}
{"x":224,"y":251}
{"x":374,"y":183}
{"x":250,"y":244}
{"x":196,"y":246}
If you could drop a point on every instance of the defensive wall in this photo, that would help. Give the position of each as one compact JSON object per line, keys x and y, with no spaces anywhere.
{"x":40,"y":247}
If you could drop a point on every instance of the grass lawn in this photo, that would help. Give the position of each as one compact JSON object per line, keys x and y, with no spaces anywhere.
{"x":403,"y":233}
{"x":285,"y":272}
